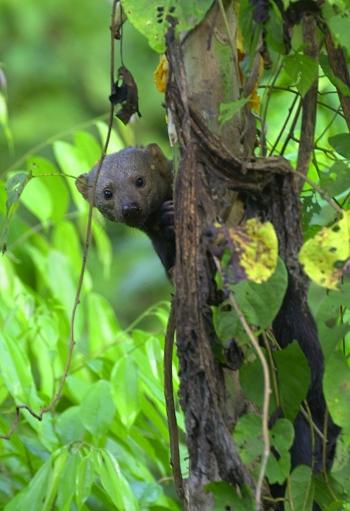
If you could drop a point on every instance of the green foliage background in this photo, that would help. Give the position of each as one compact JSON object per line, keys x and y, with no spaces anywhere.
{"x":106,"y":445}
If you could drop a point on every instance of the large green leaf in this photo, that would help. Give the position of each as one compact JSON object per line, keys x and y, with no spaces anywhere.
{"x":97,"y":408}
{"x":84,"y":478}
{"x":294,"y":378}
{"x":125,"y":390}
{"x":15,"y":370}
{"x":336,"y":384}
{"x":33,"y":495}
{"x":115,"y":484}
{"x":300,"y":490}
{"x":341,"y":143}
{"x":261,"y":302}
{"x":302,"y":70}
{"x":149,"y":17}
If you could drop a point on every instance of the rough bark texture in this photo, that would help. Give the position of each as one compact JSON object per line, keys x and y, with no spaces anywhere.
{"x":215,"y":168}
{"x":201,"y":196}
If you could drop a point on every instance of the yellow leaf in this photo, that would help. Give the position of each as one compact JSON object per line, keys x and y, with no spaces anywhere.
{"x":160,"y":75}
{"x":324,"y":256}
{"x":253,"y":249}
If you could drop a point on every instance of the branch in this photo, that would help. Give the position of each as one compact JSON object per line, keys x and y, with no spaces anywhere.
{"x":309,"y":102}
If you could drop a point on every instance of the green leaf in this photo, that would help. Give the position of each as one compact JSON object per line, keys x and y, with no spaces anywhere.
{"x":325,"y":307}
{"x":294,"y":378}
{"x":300,"y":490}
{"x":261,"y":302}
{"x":226,"y":324}
{"x":125,"y":391}
{"x":14,"y":188}
{"x":33,"y":495}
{"x":97,"y":408}
{"x":341,"y":143}
{"x":66,"y":240}
{"x":69,"y":425}
{"x":36,"y":197}
{"x":88,"y":145}
{"x":226,"y":497}
{"x":104,"y":331}
{"x":59,"y":462}
{"x":252,"y":382}
{"x":149,"y":17}
{"x":337,"y":180}
{"x":146,"y":493}
{"x":302,"y":70}
{"x":15,"y":369}
{"x":115,"y":143}
{"x":115,"y":484}
{"x":281,"y":436}
{"x":4,"y":121}
{"x":339,"y":27}
{"x":84,"y":478}
{"x":337,"y":82}
{"x":66,"y":488}
{"x":229,"y":110}
{"x":248,"y":438}
{"x":60,"y":279}
{"x":336,"y":386}
{"x":55,"y":183}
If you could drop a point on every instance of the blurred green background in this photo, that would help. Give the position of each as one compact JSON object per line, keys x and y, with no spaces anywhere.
{"x":55,"y":58}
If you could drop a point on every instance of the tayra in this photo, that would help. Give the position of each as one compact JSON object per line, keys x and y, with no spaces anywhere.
{"x":134,"y":187}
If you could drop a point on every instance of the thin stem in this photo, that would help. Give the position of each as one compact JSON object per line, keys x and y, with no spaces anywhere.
{"x":267,"y":392}
{"x":170,"y":404}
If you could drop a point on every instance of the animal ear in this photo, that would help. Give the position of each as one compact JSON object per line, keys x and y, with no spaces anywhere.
{"x":155,"y":151}
{"x":82,"y":183}
{"x":162,"y":163}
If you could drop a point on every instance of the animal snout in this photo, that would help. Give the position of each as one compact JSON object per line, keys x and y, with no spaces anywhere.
{"x":131,"y":211}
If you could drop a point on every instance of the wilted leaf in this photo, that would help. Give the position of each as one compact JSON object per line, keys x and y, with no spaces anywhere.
{"x":160,"y":74}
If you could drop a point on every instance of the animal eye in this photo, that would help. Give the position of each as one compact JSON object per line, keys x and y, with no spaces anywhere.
{"x":140,"y":182}
{"x":107,"y":193}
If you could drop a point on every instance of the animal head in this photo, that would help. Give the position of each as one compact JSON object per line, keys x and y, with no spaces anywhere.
{"x":132,"y":184}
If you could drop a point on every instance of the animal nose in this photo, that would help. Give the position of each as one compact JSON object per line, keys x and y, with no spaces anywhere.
{"x":130,"y":210}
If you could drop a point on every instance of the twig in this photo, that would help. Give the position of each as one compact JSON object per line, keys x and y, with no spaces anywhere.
{"x":290,"y":111}
{"x":291,"y":130}
{"x":170,"y":404}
